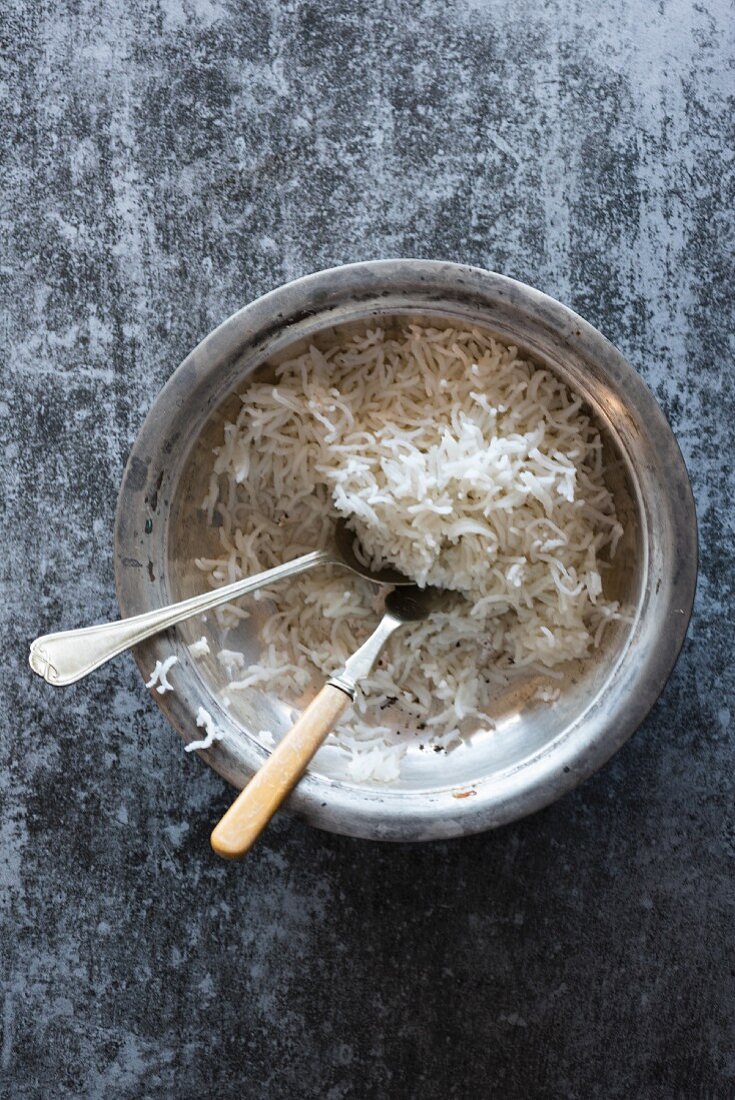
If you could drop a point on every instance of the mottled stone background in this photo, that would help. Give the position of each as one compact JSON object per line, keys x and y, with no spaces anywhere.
{"x":162,"y":164}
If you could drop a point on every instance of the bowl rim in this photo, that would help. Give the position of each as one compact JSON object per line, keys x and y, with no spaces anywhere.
{"x":561,"y":764}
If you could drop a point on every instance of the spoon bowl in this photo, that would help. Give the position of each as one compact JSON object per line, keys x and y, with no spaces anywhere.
{"x":345,"y":542}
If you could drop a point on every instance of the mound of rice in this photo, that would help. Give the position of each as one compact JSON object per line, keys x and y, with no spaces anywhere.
{"x":458,"y":462}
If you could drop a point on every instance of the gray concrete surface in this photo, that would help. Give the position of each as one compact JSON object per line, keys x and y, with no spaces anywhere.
{"x":162,"y":163}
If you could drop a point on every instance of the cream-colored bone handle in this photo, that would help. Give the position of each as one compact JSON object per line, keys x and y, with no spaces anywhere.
{"x":251,"y":811}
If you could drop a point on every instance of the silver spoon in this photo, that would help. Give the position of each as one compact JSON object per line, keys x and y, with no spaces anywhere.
{"x":251,"y":811}
{"x":67,"y":656}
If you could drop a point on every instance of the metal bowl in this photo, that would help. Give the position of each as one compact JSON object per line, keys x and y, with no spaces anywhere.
{"x":536,"y":751}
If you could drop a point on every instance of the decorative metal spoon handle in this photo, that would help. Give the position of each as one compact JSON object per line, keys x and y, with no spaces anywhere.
{"x":66,"y":657}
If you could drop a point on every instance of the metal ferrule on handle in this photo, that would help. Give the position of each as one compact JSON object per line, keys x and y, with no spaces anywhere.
{"x":360,"y":664}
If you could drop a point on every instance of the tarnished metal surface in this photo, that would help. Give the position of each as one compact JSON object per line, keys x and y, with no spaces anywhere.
{"x":534,"y":752}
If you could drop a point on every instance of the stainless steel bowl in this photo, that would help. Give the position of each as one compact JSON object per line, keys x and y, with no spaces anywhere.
{"x":536,"y":751}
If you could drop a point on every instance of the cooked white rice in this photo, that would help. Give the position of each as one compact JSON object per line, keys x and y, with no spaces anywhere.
{"x":159,"y":677}
{"x":212,"y":732}
{"x":458,"y":462}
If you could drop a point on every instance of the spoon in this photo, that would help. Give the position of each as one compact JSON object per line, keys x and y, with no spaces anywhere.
{"x":256,"y":804}
{"x":67,"y":656}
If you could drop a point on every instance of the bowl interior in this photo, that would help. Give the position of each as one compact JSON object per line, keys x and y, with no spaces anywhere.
{"x":520,"y":724}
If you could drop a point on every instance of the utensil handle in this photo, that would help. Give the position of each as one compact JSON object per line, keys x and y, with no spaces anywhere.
{"x":251,"y":811}
{"x":69,"y":655}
